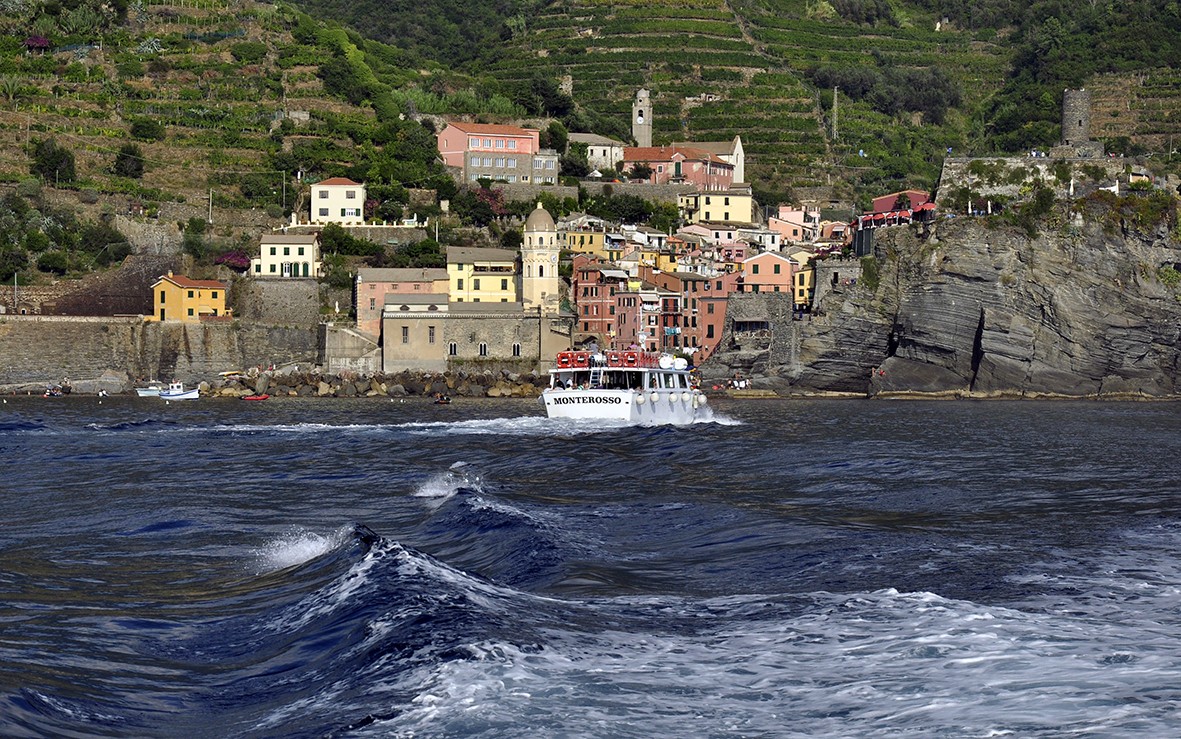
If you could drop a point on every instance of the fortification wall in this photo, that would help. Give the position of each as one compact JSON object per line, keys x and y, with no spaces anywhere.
{"x":39,"y":349}
{"x":284,"y":302}
{"x":1009,"y":177}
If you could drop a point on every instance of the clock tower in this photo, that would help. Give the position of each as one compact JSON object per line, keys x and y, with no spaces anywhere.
{"x":642,"y":119}
{"x":539,"y":263}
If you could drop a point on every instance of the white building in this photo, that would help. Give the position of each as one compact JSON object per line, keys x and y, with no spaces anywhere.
{"x":602,"y":153}
{"x":338,"y":200}
{"x":288,"y":255}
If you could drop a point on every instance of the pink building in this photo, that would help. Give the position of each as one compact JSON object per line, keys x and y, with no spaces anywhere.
{"x":681,"y":165}
{"x":374,"y":284}
{"x":769,"y":272}
{"x":594,"y":286}
{"x":797,"y":225}
{"x":497,"y":152}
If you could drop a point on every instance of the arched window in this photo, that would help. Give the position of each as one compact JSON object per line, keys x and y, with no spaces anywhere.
{"x":540,"y":271}
{"x":516,"y":350}
{"x":483,"y":349}
{"x":452,"y":349}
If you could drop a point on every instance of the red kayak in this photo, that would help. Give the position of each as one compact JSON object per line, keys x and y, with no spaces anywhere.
{"x":261,"y":396}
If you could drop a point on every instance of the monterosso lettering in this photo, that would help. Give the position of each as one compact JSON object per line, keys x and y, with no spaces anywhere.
{"x":588,"y":399}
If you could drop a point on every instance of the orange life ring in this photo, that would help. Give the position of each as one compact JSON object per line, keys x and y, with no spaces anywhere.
{"x":631,"y":359}
{"x":563,"y":359}
{"x":581,"y":359}
{"x":613,"y":359}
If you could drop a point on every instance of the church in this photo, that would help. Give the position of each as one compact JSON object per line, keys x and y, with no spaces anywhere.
{"x":502,"y":310}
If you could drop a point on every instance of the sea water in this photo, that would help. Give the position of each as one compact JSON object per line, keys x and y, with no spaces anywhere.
{"x":312,"y":567}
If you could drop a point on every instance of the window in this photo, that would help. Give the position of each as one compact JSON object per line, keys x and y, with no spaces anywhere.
{"x":452,"y":349}
{"x":372,"y":303}
{"x":273,"y":248}
{"x":350,"y":194}
{"x":725,"y":201}
{"x":707,"y":200}
{"x":190,"y":293}
{"x":500,"y":143}
{"x":754,"y":269}
{"x":301,"y":251}
{"x":323,"y":212}
{"x":500,"y":162}
{"x":430,"y":334}
{"x":726,"y":215}
{"x":323,"y":194}
{"x":214,"y":295}
{"x":287,"y":251}
{"x":504,"y":284}
{"x":163,"y":297}
{"x":709,"y":331}
{"x":473,"y":143}
{"x":660,"y":169}
{"x":476,"y":283}
{"x":483,"y":349}
{"x":512,"y":144}
{"x":487,"y":161}
{"x":487,"y":143}
{"x":459,"y":286}
{"x":257,"y":269}
{"x":516,"y":350}
{"x":272,"y":269}
{"x":777,"y":269}
{"x":511,"y":162}
{"x":709,"y":307}
{"x":190,"y":311}
{"x":549,"y":164}
{"x":537,"y":164}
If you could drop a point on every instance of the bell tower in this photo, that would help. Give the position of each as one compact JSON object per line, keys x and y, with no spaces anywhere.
{"x":539,"y":263}
{"x":642,"y":119}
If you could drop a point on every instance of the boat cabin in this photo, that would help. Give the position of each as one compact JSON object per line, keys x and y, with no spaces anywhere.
{"x":620,"y":370}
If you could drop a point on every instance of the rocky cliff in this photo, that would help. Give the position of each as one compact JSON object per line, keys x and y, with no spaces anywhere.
{"x":1088,"y":306}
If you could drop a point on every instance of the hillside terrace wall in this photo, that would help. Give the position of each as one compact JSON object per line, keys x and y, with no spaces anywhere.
{"x":1019,"y":172}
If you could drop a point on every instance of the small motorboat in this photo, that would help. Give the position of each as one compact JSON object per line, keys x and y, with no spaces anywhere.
{"x":176,"y":391}
{"x":441,"y":399}
{"x":151,"y":390}
{"x":259,"y":396}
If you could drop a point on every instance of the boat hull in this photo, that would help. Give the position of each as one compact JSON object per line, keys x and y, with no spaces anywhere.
{"x":628,"y":406}
{"x":185,"y":395}
{"x":147,"y":392}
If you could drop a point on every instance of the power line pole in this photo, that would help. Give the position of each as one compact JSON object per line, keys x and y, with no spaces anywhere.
{"x":835,"y":92}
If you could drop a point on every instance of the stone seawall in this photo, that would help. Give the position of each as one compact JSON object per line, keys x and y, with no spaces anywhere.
{"x":47,"y":349}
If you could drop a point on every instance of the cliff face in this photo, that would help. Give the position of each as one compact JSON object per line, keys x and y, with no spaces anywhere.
{"x":1084,"y":309}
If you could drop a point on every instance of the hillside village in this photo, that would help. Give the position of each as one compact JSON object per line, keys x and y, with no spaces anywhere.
{"x":579,"y":280}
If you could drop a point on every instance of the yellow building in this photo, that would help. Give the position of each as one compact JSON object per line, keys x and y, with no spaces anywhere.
{"x":177,"y":298}
{"x":805,"y":279}
{"x":585,"y":241}
{"x":736,"y":205}
{"x":482,"y":275}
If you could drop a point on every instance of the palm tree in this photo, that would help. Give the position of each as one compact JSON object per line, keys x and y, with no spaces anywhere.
{"x":10,"y":87}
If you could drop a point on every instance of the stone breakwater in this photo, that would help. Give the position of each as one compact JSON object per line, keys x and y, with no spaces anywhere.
{"x":315,"y":384}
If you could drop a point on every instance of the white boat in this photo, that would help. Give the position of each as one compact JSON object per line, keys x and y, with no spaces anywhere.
{"x":629,"y":386}
{"x":150,"y":391}
{"x":176,"y":391}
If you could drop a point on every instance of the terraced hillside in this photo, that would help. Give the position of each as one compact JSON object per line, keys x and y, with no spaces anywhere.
{"x":1144,"y":107}
{"x":717,"y":68}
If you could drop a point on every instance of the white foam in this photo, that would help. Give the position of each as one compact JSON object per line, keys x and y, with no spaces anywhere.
{"x":298,"y":546}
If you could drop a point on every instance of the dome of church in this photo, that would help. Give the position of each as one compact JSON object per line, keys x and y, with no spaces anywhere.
{"x":540,"y":220}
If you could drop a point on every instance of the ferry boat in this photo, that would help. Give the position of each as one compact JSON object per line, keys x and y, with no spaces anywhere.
{"x":629,"y":386}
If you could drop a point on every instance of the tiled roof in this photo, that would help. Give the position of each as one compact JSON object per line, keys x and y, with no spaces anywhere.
{"x":181,"y":281}
{"x":338,"y":181}
{"x":665,"y":153}
{"x":492,"y":128}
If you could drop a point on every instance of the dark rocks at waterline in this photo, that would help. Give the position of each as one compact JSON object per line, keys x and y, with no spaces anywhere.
{"x":395,"y":385}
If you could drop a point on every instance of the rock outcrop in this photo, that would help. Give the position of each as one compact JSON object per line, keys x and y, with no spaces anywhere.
{"x":1088,"y":308}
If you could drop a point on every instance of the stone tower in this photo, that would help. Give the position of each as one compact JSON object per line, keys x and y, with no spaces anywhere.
{"x":1076,"y":117}
{"x":642,"y":119}
{"x":539,"y":263}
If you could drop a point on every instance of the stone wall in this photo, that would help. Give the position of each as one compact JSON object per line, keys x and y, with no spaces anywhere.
{"x":38,"y":349}
{"x":833,"y":275}
{"x":654,"y":193}
{"x":1010,"y":177}
{"x":279,"y":301}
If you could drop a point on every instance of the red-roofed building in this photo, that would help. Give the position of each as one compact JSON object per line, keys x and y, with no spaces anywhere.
{"x":338,"y":200}
{"x":497,"y":152}
{"x":681,"y":165}
{"x":902,"y":200}
{"x":178,"y":298}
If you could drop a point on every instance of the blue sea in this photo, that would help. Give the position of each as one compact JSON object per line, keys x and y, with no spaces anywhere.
{"x":368,"y":568}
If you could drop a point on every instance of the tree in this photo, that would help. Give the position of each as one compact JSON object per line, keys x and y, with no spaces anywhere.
{"x":51,"y":162}
{"x":147,"y":129}
{"x":640,"y":171}
{"x":129,"y":162}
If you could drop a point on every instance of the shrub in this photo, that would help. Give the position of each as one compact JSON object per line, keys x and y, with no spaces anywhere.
{"x":54,"y":262}
{"x":129,"y":162}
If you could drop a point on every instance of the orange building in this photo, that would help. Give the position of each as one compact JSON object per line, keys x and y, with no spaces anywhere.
{"x":177,"y":298}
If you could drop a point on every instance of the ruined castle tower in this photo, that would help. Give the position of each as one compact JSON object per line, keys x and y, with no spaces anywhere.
{"x":1076,"y":127}
{"x":1076,"y":117}
{"x":642,"y":119}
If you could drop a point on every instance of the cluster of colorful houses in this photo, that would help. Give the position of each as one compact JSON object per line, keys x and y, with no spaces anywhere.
{"x":630,"y":285}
